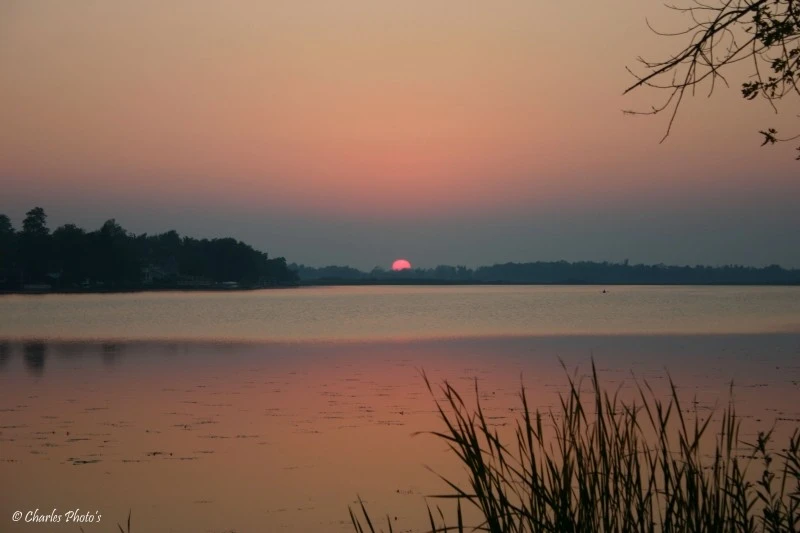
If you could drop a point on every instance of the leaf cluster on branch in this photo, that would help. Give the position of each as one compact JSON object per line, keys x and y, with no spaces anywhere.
{"x":764,"y":34}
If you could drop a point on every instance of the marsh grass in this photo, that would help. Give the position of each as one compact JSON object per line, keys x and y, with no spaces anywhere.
{"x":126,"y":530}
{"x":598,"y":463}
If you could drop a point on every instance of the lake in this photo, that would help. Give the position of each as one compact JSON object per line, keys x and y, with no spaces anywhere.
{"x":377,"y":313}
{"x":272,"y":410}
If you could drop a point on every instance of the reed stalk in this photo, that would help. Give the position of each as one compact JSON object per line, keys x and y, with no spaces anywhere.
{"x":601,"y":464}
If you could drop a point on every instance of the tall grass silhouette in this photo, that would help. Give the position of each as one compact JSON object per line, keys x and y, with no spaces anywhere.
{"x":600,"y":464}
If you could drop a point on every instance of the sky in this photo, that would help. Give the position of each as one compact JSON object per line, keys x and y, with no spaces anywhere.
{"x":358,"y":132}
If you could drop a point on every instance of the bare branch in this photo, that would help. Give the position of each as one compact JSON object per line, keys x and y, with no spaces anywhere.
{"x":721,"y":34}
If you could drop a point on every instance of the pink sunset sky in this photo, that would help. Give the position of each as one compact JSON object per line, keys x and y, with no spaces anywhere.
{"x":360,"y":131}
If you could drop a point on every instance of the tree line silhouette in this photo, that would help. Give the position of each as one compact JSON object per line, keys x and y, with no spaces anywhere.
{"x":560,"y":272}
{"x":111,"y":257}
{"x":71,"y":258}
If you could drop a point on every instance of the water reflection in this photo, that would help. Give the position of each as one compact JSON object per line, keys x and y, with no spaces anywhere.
{"x":291,"y":432}
{"x":71,"y":349}
{"x":35,"y":354}
{"x":111,"y":351}
{"x":5,"y":353}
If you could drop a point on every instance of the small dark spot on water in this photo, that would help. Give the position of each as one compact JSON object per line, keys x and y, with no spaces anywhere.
{"x":83,"y":461}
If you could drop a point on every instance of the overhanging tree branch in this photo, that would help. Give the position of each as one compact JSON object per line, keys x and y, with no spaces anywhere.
{"x":723,"y":33}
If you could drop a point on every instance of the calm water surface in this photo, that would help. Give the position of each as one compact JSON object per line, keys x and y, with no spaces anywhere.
{"x":271,"y":410}
{"x":374,"y":313}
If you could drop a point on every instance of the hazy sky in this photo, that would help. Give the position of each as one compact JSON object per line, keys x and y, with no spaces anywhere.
{"x":356,"y":132}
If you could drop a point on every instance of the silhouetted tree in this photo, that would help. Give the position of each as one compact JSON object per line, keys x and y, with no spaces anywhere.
{"x":378,"y":272}
{"x":6,"y":228}
{"x":764,"y":34}
{"x":8,"y":248}
{"x":70,"y":254}
{"x":114,"y":257}
{"x":35,"y":223}
{"x":329,"y":273}
{"x":573,"y":273}
{"x":34,"y":245}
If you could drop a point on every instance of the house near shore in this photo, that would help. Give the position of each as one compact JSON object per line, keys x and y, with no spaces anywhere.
{"x":37,"y":287}
{"x":154,"y":273}
{"x":194,"y":281}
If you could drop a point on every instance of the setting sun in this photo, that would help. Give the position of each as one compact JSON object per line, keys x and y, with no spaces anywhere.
{"x":401,"y":264}
{"x":199,"y":199}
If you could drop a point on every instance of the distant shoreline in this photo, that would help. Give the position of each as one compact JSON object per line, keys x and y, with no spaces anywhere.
{"x":378,"y":283}
{"x":327,"y":283}
{"x":122,"y":290}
